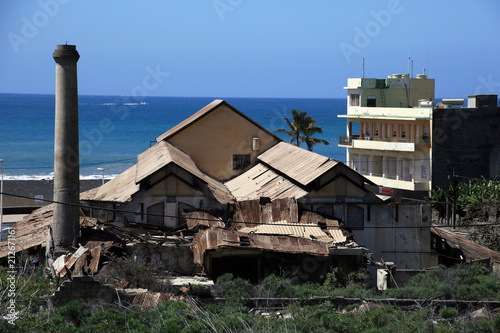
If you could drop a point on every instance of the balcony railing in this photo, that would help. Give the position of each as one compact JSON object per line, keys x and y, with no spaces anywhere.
{"x":406,"y":178}
{"x":347,"y":140}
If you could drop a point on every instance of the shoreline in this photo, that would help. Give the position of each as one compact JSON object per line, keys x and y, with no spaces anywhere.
{"x":42,"y":189}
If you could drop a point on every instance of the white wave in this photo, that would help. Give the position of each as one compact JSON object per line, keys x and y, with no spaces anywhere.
{"x":135,"y":104}
{"x":51,"y":177}
{"x":97,"y":177}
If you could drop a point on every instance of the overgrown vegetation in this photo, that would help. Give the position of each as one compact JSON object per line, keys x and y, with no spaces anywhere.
{"x":476,"y":201}
{"x":128,"y":273}
{"x":234,"y":314}
{"x":461,"y":282}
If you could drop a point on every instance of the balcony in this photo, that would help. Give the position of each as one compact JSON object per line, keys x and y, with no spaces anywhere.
{"x":360,"y":112}
{"x":378,"y":143}
{"x":405,"y":182}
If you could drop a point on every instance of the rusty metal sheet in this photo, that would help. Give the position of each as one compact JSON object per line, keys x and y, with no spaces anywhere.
{"x":470,"y":249}
{"x":310,"y":231}
{"x":95,"y":258}
{"x":70,"y":261}
{"x":80,"y":264}
{"x":33,"y":230}
{"x":74,"y":257}
{"x":212,"y":239}
{"x":266,"y":213}
{"x":199,"y":218}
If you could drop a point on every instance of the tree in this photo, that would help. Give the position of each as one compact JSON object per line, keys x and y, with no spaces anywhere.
{"x":309,"y":132}
{"x":301,"y":129}
{"x":296,"y":126}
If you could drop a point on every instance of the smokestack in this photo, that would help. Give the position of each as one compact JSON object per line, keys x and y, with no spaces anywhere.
{"x":66,"y":226}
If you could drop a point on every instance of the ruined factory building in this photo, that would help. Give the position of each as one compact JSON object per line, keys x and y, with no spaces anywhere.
{"x":218,"y":159}
{"x":244,"y":201}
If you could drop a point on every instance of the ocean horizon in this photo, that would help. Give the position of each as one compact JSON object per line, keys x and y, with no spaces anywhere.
{"x":113,"y":130}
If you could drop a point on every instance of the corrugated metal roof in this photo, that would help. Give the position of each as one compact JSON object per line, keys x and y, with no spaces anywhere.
{"x":211,"y":239}
{"x":33,"y":229}
{"x":119,"y":189}
{"x":203,"y":112}
{"x":260,"y":181}
{"x":164,"y":153}
{"x":470,"y":249}
{"x":338,"y":235}
{"x":160,"y":155}
{"x":299,"y":164}
{"x":311,"y":231}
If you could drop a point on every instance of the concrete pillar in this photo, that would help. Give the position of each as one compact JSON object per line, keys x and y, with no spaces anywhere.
{"x":398,"y":168}
{"x":66,"y":226}
{"x":384,"y":167}
{"x":371,"y":164}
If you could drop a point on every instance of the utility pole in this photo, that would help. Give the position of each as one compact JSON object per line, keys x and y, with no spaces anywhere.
{"x":454,"y":207}
{"x":448,"y":182}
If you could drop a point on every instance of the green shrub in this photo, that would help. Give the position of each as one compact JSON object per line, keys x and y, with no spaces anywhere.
{"x":464,"y":282}
{"x":236,"y":291}
{"x":275,"y":286}
{"x":74,"y":311}
{"x":448,"y":313}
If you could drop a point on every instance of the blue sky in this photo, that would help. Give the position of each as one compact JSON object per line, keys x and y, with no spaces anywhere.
{"x":249,"y":48}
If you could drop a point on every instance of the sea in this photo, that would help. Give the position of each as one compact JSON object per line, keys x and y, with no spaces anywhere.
{"x":113,"y":130}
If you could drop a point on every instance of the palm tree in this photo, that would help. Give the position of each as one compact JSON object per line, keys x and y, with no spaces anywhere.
{"x":309,"y":132}
{"x":302,"y":128}
{"x":296,"y":126}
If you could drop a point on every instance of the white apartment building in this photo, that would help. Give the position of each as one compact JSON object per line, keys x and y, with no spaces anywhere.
{"x":388,"y":137}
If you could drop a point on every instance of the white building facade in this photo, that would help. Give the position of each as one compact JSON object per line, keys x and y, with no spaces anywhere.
{"x":388,"y":134}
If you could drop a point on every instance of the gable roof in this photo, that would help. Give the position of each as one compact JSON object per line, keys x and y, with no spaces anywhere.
{"x":299,"y":164}
{"x":202,"y":113}
{"x":121,"y":188}
{"x":159,"y":156}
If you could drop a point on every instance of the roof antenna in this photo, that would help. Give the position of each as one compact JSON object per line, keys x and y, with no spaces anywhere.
{"x":427,"y":65}
{"x":363,"y":68}
{"x":409,"y":58}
